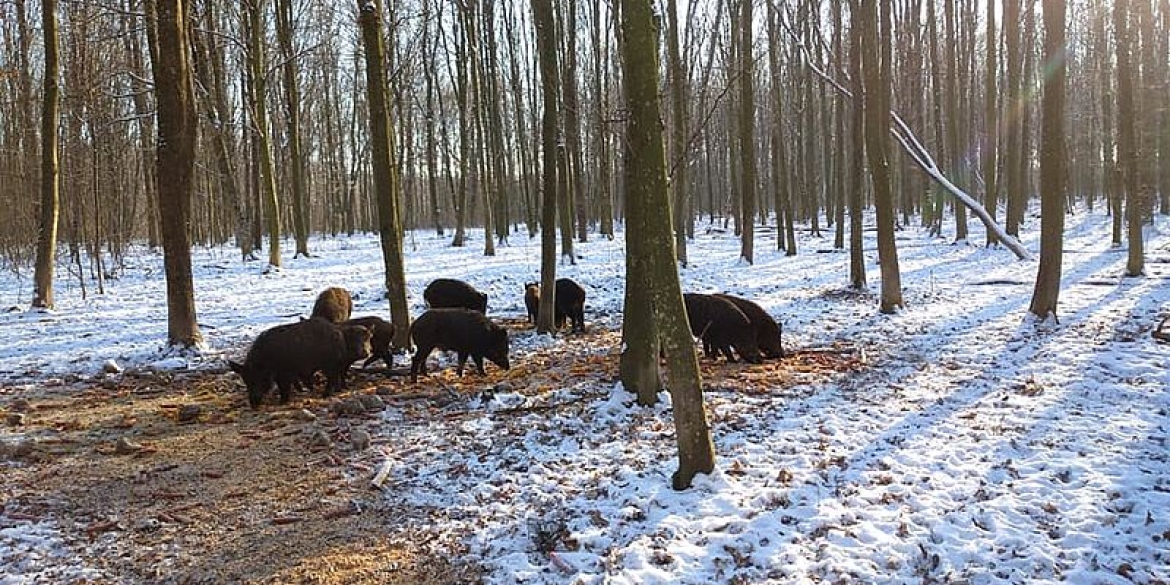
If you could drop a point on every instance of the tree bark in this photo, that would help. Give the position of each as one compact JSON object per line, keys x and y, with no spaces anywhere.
{"x":542,"y":18}
{"x":50,"y":166}
{"x":1052,"y":164}
{"x":875,"y":72}
{"x":258,"y":73}
{"x":991,"y":122}
{"x":176,"y":161}
{"x":680,"y":150}
{"x":1127,"y":139}
{"x":385,"y":179}
{"x":645,"y":170}
{"x":285,"y":33}
{"x":747,"y":135}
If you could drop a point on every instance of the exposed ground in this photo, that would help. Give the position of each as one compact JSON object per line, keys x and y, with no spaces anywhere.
{"x":171,"y":478}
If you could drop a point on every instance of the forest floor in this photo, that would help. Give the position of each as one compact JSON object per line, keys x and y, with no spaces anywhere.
{"x":170,"y":477}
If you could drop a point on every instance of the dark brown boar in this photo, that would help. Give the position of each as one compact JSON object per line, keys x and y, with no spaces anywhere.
{"x":532,"y":300}
{"x":467,"y":332}
{"x":722,"y":327}
{"x":570,"y":302}
{"x":333,"y":304}
{"x":767,"y":330}
{"x":448,"y":292}
{"x":290,"y":354}
{"x":381,"y":340}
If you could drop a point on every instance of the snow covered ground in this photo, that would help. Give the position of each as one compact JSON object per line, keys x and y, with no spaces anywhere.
{"x":976,"y":446}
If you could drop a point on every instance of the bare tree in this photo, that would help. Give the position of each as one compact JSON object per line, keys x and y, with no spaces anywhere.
{"x":542,"y":20}
{"x":875,"y":66}
{"x":991,"y":121}
{"x":747,"y":134}
{"x":177,"y":131}
{"x":385,"y":179}
{"x":649,"y":213}
{"x":679,"y":144}
{"x":258,"y":74}
{"x":1127,"y":140}
{"x":1052,"y":165}
{"x":285,"y":33}
{"x":50,"y":171}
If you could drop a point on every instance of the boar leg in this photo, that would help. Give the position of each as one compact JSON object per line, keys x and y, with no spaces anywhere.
{"x":419,"y":362}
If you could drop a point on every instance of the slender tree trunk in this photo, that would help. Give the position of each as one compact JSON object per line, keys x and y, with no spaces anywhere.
{"x":1016,"y":199}
{"x":385,"y":179}
{"x":176,"y":161}
{"x":50,"y":172}
{"x":991,"y":122}
{"x":783,"y":193}
{"x":1052,"y":164}
{"x":258,"y":73}
{"x":649,"y":207}
{"x":1127,"y":139}
{"x":572,"y":122}
{"x":285,"y":33}
{"x":875,"y":72}
{"x":542,"y":16}
{"x":601,"y":147}
{"x":747,"y":135}
{"x":680,"y":151}
{"x":857,"y":278}
{"x":209,"y":69}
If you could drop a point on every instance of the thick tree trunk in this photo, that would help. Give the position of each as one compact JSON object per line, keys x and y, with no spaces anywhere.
{"x":176,"y":161}
{"x":50,"y":172}
{"x":385,"y":179}
{"x":1052,"y":164}
{"x":646,"y":187}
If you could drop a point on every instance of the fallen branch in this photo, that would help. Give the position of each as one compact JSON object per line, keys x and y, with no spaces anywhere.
{"x":918,"y":153}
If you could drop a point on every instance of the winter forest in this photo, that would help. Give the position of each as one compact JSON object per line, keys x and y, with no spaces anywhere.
{"x":934,"y":232}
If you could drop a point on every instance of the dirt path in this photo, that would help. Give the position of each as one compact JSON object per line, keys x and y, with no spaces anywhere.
{"x":174,"y":480}
{"x":161,"y":478}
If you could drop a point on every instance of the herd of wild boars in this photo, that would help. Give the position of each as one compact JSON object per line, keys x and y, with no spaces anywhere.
{"x":330,"y":341}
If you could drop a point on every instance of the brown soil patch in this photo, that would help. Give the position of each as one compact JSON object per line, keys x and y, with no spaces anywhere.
{"x":165,"y":478}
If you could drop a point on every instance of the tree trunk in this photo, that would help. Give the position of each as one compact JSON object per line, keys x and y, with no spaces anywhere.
{"x":1127,"y":140}
{"x":1016,"y":199}
{"x":857,"y":278}
{"x":875,"y":72}
{"x":209,"y":59}
{"x":680,"y":151}
{"x":50,"y":172}
{"x":747,"y":135}
{"x":1052,"y":164}
{"x":258,"y":72}
{"x":645,"y":170}
{"x":285,"y":33}
{"x":601,"y":146}
{"x":572,"y":122}
{"x":991,"y":122}
{"x":542,"y":15}
{"x":385,"y":178}
{"x":176,"y":161}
